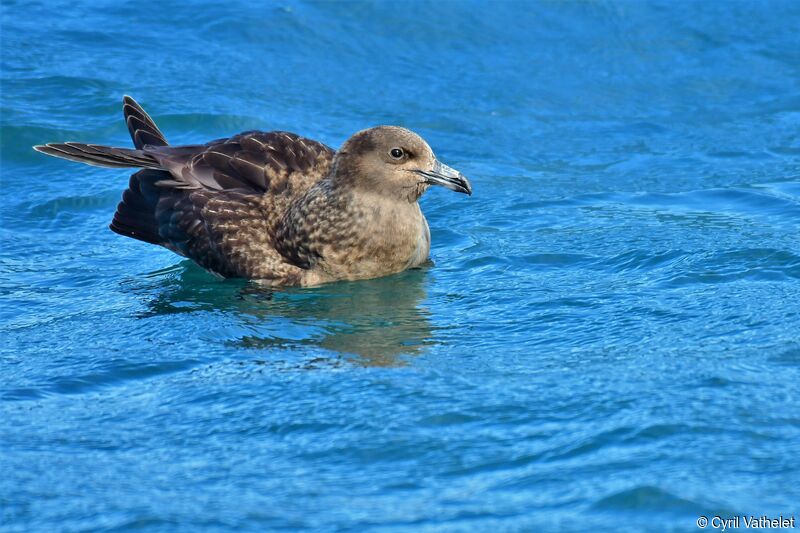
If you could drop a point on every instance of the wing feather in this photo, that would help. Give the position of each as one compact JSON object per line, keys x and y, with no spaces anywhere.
{"x":254,"y":161}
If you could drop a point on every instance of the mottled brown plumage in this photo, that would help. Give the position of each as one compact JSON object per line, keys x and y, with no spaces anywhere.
{"x":274,"y":206}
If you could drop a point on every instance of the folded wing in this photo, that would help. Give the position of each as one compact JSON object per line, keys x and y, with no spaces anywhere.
{"x":219,"y":203}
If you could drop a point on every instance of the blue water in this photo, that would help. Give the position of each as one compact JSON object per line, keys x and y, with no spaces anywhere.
{"x":609,"y":338}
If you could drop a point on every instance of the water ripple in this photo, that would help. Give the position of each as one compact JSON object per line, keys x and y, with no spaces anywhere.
{"x":607,"y":337}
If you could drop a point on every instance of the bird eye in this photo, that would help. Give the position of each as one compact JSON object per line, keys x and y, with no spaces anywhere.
{"x":396,"y":153}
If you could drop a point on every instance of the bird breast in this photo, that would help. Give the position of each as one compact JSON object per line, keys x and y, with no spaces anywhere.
{"x":382,"y":238}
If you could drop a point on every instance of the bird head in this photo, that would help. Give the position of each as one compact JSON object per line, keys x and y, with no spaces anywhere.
{"x":395,"y":162}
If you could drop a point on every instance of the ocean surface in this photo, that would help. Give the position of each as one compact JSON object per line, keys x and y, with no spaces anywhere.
{"x":608,"y":339}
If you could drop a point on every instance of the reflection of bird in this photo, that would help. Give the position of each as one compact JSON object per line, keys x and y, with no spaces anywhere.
{"x":380,"y":320}
{"x":274,"y":206}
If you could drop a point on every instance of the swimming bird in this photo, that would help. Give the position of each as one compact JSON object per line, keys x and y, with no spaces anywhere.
{"x":274,"y":206}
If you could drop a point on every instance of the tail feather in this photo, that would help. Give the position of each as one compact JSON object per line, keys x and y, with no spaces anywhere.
{"x":99,"y":156}
{"x":136,"y":213}
{"x":143,"y":132}
{"x":142,"y":128}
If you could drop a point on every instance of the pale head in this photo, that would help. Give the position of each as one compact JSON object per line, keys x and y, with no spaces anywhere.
{"x":394,"y":162}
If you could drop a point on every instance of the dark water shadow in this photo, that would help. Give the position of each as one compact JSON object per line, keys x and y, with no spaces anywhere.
{"x":379,"y":321}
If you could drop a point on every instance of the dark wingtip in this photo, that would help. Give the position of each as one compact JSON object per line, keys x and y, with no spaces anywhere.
{"x":130,"y":102}
{"x":47,"y":149}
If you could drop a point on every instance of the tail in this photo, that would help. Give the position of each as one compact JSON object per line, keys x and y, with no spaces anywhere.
{"x":142,"y":128}
{"x":143,"y":132}
{"x":136,"y":213}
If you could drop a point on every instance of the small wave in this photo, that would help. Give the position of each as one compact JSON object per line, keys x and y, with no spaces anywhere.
{"x":649,"y":498}
{"x":113,"y":376}
{"x":748,"y":202}
{"x":733,"y":265}
{"x":106,"y":200}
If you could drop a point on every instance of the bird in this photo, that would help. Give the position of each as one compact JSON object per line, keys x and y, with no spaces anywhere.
{"x":273,"y":206}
